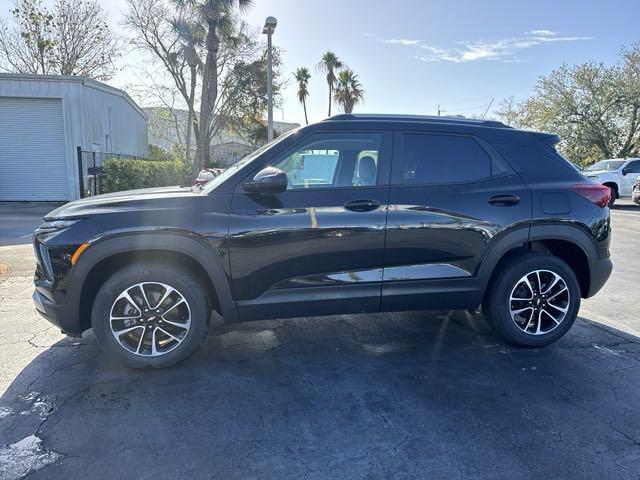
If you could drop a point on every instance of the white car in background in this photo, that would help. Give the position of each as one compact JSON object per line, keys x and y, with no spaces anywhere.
{"x":619,"y":174}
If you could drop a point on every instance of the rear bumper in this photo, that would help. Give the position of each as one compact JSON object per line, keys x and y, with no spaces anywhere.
{"x":600,"y":272}
{"x":55,"y":313}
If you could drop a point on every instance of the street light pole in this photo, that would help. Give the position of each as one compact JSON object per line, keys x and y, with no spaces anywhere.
{"x":269,"y":27}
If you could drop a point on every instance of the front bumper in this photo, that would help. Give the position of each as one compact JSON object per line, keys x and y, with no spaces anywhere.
{"x":55,"y":313}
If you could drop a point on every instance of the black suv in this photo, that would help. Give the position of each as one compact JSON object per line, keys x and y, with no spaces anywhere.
{"x":355,"y":214}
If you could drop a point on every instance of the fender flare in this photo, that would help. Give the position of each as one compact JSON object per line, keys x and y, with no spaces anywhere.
{"x":514,"y":239}
{"x":196,"y":248}
{"x":519,"y":237}
{"x":568,"y":232}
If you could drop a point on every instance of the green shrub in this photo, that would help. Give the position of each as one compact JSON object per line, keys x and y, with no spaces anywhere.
{"x":131,"y":174}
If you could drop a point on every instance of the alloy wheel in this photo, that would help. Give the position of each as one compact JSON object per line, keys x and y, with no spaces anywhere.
{"x":150,"y":319}
{"x":539,"y":302}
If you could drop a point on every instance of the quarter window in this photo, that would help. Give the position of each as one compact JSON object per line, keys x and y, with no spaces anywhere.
{"x":333,"y":160}
{"x":441,"y":159}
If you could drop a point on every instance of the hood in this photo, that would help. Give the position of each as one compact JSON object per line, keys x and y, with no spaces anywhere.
{"x":597,"y":172}
{"x":128,"y":200}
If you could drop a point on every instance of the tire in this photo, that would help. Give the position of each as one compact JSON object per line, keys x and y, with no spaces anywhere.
{"x":153,"y":340}
{"x":526,"y":328}
{"x":614,"y":196}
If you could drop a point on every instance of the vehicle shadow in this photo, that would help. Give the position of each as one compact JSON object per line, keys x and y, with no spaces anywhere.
{"x":409,"y":395}
{"x":626,"y":206}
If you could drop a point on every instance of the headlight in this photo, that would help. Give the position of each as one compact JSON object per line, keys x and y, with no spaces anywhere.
{"x":55,"y":225}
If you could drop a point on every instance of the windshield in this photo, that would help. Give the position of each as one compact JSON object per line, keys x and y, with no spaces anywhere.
{"x":605,"y":165}
{"x":207,"y":187}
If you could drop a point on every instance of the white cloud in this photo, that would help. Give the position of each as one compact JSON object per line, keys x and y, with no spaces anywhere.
{"x":400,"y":41}
{"x":541,"y":33}
{"x":504,"y":50}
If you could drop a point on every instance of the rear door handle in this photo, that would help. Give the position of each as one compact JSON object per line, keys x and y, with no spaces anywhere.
{"x":362,"y":205}
{"x":504,"y":200}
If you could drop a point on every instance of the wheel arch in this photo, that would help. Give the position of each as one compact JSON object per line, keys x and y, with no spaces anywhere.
{"x":613,"y":186}
{"x":106,"y":255}
{"x":568,"y":242}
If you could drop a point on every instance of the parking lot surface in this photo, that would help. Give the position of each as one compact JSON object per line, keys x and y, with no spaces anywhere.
{"x":412,"y":395}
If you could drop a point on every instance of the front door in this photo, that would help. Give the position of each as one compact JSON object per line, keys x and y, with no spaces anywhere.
{"x":316,"y":248}
{"x":630,"y":174}
{"x":451,"y":195}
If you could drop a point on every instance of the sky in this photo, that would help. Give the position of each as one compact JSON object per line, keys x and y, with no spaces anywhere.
{"x":413,"y":56}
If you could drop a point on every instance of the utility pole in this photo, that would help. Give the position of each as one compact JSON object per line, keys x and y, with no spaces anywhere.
{"x":269,"y":27}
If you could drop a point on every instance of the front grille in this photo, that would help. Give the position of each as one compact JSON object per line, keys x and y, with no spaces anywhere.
{"x":43,"y":268}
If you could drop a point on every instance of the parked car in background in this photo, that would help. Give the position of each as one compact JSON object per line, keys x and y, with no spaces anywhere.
{"x":206,"y":175}
{"x":619,"y":174}
{"x":354,"y":214}
{"x":636,"y":192}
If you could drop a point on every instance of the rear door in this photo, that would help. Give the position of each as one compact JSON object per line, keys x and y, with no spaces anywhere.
{"x":450,"y":197}
{"x":318,"y":247}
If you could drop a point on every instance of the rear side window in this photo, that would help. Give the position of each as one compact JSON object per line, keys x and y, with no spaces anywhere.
{"x":440,"y":159}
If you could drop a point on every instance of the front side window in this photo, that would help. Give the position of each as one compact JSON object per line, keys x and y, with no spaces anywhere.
{"x":633,"y":167}
{"x":326,"y":160}
{"x":441,"y":159}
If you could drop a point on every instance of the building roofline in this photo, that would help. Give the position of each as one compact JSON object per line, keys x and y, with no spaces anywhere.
{"x":87,"y":82}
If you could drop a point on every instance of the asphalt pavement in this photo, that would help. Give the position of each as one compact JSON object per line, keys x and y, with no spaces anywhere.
{"x":411,"y":395}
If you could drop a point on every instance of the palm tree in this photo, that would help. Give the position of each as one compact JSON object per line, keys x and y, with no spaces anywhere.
{"x":215,"y":13}
{"x":330,"y":64}
{"x":191,"y":37}
{"x":302,"y":76}
{"x":349,"y":91}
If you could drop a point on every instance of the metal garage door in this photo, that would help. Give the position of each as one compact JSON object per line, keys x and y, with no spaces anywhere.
{"x":33,"y":164}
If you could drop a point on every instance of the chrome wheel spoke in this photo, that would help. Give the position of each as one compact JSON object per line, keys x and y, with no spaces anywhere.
{"x":184,"y":326}
{"x":179,"y":302}
{"x":129,"y":299}
{"x":562,"y":290}
{"x":539,"y":325}
{"x":147,"y":332}
{"x":144,"y":295}
{"x":169,"y":334}
{"x":519,"y":311}
{"x":128,"y":330}
{"x":563,"y":310}
{"x":154,"y":350}
{"x":537,"y":315}
{"x":553,"y":284}
{"x":166,"y":294}
{"x":557,"y":322}
{"x":144,"y":331}
{"x":530,"y":321}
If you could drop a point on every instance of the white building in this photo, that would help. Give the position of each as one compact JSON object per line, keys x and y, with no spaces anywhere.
{"x":46,"y":119}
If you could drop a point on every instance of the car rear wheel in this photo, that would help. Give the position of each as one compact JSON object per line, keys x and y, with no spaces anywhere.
{"x":150,"y":315}
{"x":534,"y":300}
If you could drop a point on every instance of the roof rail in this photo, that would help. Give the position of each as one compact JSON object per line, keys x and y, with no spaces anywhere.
{"x":418,"y":118}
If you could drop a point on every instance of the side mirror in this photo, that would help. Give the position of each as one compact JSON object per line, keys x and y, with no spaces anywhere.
{"x":269,"y":180}
{"x":625,"y":170}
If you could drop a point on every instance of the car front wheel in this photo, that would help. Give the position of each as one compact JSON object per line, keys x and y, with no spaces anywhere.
{"x":534,"y":300}
{"x":150,"y":315}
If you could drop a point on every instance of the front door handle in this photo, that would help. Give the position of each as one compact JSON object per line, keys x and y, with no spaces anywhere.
{"x":362,"y":205}
{"x":504,"y":200}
